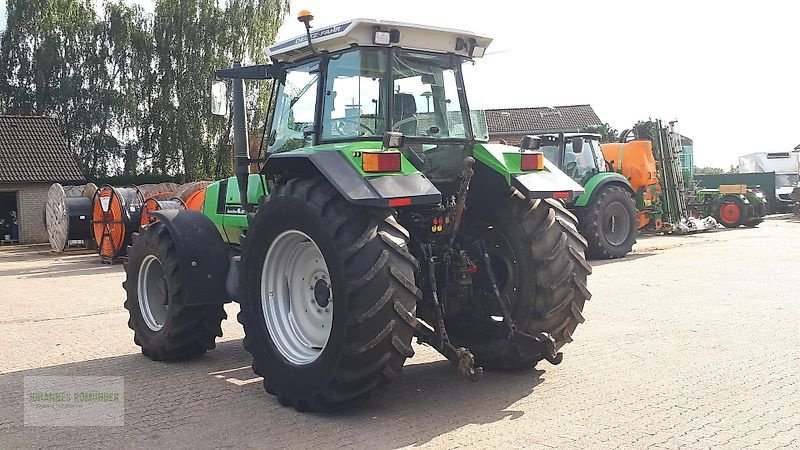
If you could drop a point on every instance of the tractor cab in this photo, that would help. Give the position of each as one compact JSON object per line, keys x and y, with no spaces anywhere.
{"x":343,"y":87}
{"x":577,"y":154}
{"x":360,"y":79}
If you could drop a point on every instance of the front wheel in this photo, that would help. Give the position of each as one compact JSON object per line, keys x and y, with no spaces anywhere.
{"x":328,"y":296}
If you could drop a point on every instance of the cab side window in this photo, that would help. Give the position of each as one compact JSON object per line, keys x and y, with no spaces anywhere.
{"x":295,"y":109}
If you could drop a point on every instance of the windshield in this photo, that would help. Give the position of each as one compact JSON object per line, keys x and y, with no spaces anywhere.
{"x":786,"y":180}
{"x":426,"y":96}
{"x":579,"y":165}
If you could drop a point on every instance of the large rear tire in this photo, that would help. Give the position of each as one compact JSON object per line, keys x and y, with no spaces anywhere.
{"x":538,"y":258}
{"x":360,"y":284}
{"x":731,"y":212}
{"x":163,"y":326}
{"x":609,"y":224}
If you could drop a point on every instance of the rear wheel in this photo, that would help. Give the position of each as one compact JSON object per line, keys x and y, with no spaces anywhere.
{"x":163,"y":326}
{"x":731,"y":212}
{"x":538,"y":258}
{"x":328,"y":296}
{"x":610,"y":224}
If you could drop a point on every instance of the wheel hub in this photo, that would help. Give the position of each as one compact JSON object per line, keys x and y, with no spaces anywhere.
{"x":322,"y":293}
{"x":296,"y":297}
{"x":729,"y":212}
{"x":153,"y":293}
{"x":615,"y":226}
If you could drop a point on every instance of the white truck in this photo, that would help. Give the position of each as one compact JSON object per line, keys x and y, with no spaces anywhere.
{"x":786,"y":166}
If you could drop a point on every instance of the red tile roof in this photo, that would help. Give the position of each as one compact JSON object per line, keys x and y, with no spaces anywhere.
{"x":541,"y":119}
{"x":33,"y":149}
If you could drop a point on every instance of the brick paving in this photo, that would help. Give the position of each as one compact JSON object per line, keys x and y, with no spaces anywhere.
{"x":691,"y":342}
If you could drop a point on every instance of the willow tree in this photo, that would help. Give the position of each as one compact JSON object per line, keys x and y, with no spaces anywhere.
{"x":194,"y":38}
{"x":132,"y":88}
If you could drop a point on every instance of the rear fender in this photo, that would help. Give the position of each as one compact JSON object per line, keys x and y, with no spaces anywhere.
{"x":382,"y":190}
{"x":600,"y":181}
{"x":546,"y":183}
{"x":203,"y":257}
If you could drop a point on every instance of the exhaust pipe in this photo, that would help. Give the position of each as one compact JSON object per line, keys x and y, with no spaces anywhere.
{"x":241,"y":147}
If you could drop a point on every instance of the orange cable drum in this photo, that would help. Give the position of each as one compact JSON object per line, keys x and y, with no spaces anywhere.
{"x":114,"y":210}
{"x":192,"y":195}
{"x":152,"y":204}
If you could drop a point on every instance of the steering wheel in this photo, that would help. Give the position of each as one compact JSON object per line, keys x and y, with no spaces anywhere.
{"x":396,"y":125}
{"x":339,"y":126}
{"x":570,"y":168}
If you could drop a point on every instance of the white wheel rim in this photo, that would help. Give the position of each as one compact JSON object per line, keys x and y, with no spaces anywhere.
{"x":152,"y":291}
{"x":296,"y":297}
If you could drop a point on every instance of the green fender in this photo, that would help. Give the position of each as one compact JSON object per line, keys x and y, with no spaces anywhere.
{"x":597,"y":182}
{"x":546,"y":183}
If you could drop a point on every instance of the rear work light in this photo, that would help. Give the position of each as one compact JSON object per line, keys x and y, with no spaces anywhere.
{"x":381,"y":162}
{"x":531,"y":161}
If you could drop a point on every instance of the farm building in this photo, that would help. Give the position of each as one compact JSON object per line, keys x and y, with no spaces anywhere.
{"x":511,"y":124}
{"x":33,"y":155}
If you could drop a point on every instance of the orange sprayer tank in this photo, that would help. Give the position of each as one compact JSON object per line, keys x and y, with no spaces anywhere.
{"x":634,"y":160}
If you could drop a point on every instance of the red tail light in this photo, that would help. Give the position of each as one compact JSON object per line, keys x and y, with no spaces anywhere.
{"x":531,"y":161}
{"x":561,"y":195}
{"x":381,"y":162}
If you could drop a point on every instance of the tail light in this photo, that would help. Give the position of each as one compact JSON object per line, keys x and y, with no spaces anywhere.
{"x":381,"y":162}
{"x":531,"y":161}
{"x":563,"y":195}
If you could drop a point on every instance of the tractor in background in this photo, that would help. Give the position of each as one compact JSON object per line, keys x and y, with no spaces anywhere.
{"x":378,"y":214}
{"x":607,"y":210}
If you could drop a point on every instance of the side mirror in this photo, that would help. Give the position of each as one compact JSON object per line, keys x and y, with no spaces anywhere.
{"x":577,"y":144}
{"x":530,"y":142}
{"x":219,"y":98}
{"x":393,"y":139}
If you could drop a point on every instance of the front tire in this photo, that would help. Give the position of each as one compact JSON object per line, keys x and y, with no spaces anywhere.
{"x":538,"y":258}
{"x":369,"y":294}
{"x":163,"y":326}
{"x":610,"y":224}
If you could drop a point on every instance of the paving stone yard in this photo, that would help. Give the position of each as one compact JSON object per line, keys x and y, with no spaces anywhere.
{"x":689,"y":342}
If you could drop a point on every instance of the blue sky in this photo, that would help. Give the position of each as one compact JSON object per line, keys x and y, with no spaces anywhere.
{"x":727,"y":70}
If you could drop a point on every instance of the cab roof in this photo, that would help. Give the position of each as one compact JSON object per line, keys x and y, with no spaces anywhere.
{"x":570,"y":135}
{"x":361,"y":32}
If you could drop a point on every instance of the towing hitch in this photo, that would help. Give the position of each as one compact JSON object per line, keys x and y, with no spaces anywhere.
{"x":544,"y":341}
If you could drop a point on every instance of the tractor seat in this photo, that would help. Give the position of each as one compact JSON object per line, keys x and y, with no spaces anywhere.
{"x":405,"y":107}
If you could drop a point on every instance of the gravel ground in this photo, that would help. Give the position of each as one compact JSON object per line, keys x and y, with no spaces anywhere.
{"x":691,"y":341}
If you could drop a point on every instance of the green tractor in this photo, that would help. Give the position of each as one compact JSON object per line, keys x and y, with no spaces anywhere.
{"x":731,"y":205}
{"x":378,"y":215}
{"x":607,"y":209}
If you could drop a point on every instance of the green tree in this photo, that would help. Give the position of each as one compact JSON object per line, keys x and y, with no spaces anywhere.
{"x":708,"y":170}
{"x":131,"y":88}
{"x":607,"y":132}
